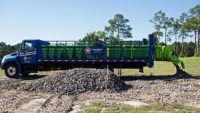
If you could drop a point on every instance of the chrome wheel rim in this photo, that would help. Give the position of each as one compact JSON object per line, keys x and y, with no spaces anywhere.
{"x":11,"y":71}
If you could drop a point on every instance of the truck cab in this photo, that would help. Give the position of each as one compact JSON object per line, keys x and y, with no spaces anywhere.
{"x":23,"y":61}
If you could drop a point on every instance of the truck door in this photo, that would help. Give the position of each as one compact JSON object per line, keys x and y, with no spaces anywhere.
{"x":28,"y":54}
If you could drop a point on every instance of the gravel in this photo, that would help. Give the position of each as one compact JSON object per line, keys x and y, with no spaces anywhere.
{"x":103,"y":85}
{"x":181,"y":91}
{"x":8,"y":83}
{"x":77,"y":81}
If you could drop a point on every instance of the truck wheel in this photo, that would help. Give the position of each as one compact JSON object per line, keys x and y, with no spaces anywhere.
{"x":11,"y":71}
{"x":107,"y":66}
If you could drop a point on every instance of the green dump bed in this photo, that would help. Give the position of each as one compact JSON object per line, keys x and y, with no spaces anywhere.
{"x":88,"y":52}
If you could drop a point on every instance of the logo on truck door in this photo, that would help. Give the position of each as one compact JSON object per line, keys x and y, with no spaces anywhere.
{"x":87,"y":50}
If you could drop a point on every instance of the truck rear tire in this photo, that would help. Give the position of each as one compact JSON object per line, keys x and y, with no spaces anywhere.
{"x":11,"y":71}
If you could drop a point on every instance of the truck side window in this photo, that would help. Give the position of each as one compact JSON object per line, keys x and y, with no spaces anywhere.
{"x":28,"y":46}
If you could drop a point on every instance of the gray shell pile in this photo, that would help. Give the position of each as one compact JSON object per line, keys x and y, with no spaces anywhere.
{"x":77,"y":81}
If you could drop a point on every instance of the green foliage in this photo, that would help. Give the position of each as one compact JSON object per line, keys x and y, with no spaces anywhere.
{"x":158,"y":20}
{"x":121,"y":108}
{"x":157,"y":35}
{"x":162,"y":23}
{"x":162,"y":44}
{"x":7,"y":49}
{"x":180,"y":28}
{"x":176,"y":26}
{"x":188,"y":51}
{"x":195,"y":11}
{"x":176,"y":48}
{"x":192,"y":24}
{"x":118,"y":27}
{"x":98,"y":39}
{"x":112,"y":40}
{"x":94,"y":38}
{"x":94,"y":108}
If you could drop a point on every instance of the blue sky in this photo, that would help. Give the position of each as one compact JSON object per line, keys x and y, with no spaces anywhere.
{"x":72,"y":19}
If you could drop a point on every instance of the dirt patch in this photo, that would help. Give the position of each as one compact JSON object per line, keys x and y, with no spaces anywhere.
{"x":13,"y":101}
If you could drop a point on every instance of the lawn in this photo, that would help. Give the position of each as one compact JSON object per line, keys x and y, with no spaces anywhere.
{"x":160,"y":68}
{"x":154,"y":108}
{"x":1,"y":72}
{"x":192,"y":66}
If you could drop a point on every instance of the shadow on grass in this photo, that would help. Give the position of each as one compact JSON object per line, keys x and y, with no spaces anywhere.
{"x":181,"y":74}
{"x":31,"y":77}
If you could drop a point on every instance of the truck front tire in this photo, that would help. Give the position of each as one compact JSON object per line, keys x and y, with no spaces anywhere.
{"x":11,"y":71}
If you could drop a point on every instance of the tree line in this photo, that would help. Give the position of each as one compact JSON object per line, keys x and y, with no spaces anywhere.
{"x":187,"y":25}
{"x":7,"y":49}
{"x":118,"y":28}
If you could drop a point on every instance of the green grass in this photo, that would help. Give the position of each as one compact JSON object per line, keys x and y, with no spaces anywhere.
{"x":192,"y":66}
{"x":160,"y":68}
{"x":154,"y":108}
{"x":1,"y":72}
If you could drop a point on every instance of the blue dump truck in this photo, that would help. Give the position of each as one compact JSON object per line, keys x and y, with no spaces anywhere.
{"x":38,"y":55}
